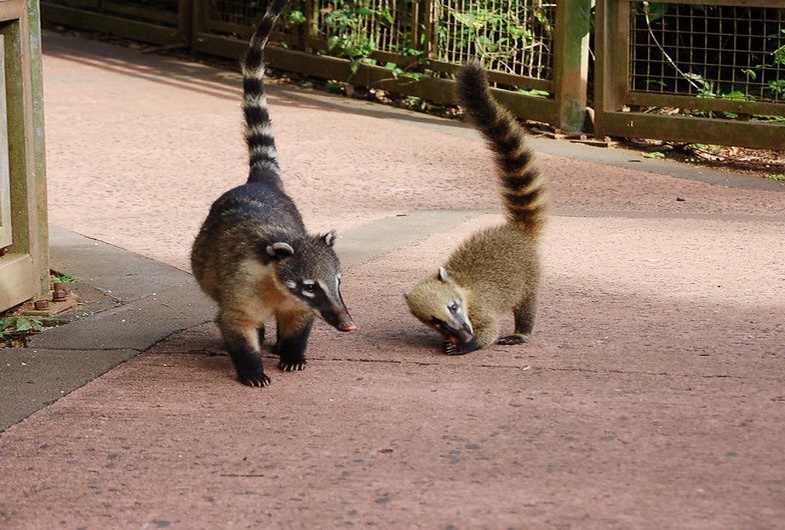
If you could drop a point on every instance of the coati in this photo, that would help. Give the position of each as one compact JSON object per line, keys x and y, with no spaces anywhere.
{"x":253,"y":255}
{"x":497,"y":269}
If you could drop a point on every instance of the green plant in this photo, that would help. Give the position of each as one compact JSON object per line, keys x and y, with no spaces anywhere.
{"x":296,"y":17}
{"x":534,"y":92}
{"x":778,"y":177}
{"x":654,"y":154}
{"x":348,"y":37}
{"x":15,"y":325}
{"x":496,"y":34}
{"x":59,"y":277}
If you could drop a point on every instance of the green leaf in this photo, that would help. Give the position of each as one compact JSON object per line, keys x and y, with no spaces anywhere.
{"x":297,"y":17}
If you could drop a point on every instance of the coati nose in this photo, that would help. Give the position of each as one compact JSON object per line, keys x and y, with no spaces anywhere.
{"x":347,"y":326}
{"x":339,"y":319}
{"x":464,"y":335}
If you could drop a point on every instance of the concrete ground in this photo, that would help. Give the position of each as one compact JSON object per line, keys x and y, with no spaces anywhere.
{"x":652,"y":394}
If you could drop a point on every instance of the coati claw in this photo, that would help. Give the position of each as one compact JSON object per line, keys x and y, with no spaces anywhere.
{"x":258,"y":381}
{"x":451,"y":347}
{"x":292,"y":366}
{"x":511,"y":340}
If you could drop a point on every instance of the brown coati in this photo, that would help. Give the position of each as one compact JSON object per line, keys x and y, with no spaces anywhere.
{"x":253,"y":255}
{"x":497,"y":269}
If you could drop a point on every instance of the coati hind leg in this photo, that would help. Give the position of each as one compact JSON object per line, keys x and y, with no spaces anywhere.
{"x":524,"y":323}
{"x":293,"y":329}
{"x":243,"y":344}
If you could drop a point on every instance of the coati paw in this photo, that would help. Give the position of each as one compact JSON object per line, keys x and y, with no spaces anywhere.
{"x":510,"y":340}
{"x":259,"y":380}
{"x":292,"y":366}
{"x":453,"y":347}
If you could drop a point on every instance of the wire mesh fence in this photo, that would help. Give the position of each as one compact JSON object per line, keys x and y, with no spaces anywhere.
{"x":512,"y":37}
{"x":164,"y":12}
{"x":515,"y":37}
{"x":360,"y":28}
{"x":707,"y":73}
{"x":717,"y":59}
{"x":714,"y":51}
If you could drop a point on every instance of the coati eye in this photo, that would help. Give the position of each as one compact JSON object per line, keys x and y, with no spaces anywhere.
{"x":309,"y":287}
{"x":453,"y":308}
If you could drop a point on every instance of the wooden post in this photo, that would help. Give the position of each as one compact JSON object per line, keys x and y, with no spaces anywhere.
{"x":24,"y":266}
{"x":571,"y":62}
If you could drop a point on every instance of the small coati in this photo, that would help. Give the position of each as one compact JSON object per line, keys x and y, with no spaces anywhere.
{"x":253,"y":255}
{"x":497,"y":269}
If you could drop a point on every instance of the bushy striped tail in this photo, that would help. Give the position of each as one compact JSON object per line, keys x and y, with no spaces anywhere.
{"x":524,"y":194}
{"x":258,"y":129}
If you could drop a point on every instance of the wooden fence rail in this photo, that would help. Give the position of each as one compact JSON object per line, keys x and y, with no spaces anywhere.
{"x":645,"y":83}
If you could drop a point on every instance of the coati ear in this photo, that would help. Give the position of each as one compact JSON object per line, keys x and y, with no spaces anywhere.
{"x":330,"y":237}
{"x":443,"y":276}
{"x":280,"y":250}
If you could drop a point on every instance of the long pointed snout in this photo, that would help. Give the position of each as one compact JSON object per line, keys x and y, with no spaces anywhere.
{"x":460,"y":328}
{"x":346,"y":326}
{"x":339,"y":319}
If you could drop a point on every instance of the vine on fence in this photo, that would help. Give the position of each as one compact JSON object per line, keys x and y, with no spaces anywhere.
{"x":770,"y":65}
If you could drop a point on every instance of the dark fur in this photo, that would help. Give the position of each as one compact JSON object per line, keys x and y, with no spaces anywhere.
{"x":253,"y":255}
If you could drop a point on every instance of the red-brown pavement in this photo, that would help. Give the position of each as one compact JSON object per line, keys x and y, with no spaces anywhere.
{"x":650,"y":396}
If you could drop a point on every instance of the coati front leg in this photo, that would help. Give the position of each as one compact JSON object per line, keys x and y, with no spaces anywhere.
{"x":524,"y":322}
{"x":243,"y":342}
{"x":293,"y":330}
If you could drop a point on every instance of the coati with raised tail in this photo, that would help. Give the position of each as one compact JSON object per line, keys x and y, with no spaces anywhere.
{"x":253,"y":255}
{"x":497,"y":269}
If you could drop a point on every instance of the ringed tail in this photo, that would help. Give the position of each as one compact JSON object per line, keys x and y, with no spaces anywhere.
{"x":263,"y":156}
{"x":524,"y":187}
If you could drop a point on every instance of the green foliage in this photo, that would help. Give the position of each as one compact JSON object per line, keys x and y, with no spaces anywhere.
{"x":401,"y":73}
{"x":347,"y":36}
{"x":296,"y":17}
{"x":58,"y":277}
{"x":777,"y":87}
{"x":780,"y":177}
{"x":779,"y":53}
{"x":534,"y":92}
{"x":15,"y":325}
{"x":490,"y":33}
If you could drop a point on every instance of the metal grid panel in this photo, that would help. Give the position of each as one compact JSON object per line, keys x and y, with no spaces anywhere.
{"x":719,"y":51}
{"x":139,"y":10}
{"x":515,"y":37}
{"x":240,"y":12}
{"x":167,"y":6}
{"x":238,"y":18}
{"x":365,"y":26}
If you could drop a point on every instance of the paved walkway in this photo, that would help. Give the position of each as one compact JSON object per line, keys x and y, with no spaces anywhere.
{"x":651,"y":396}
